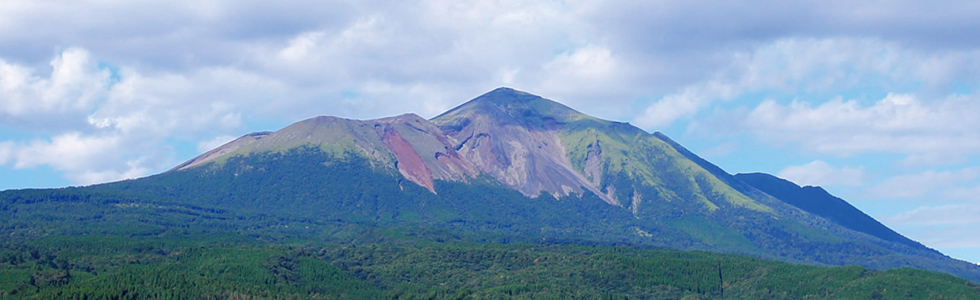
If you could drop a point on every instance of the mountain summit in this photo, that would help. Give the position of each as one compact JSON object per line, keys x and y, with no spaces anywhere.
{"x":516,"y":138}
{"x":509,"y":106}
{"x":510,"y":166}
{"x":529,"y":143}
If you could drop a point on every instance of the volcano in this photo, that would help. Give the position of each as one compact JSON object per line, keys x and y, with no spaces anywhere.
{"x":507,"y":166}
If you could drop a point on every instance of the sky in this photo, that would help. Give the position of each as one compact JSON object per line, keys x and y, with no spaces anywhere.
{"x":876,"y":101}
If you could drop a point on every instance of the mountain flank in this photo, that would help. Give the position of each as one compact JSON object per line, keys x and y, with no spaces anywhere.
{"x":818,"y":201}
{"x":505,"y":167}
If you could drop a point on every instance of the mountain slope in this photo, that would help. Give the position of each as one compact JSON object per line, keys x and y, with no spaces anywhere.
{"x":540,"y":147}
{"x":511,"y":136}
{"x":818,"y":201}
{"x":506,"y":166}
{"x":537,"y":145}
{"x":408,"y":143}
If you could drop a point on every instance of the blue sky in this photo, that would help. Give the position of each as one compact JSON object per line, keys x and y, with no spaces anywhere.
{"x":875,"y":101}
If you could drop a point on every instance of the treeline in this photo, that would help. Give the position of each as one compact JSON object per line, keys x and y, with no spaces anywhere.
{"x":140,"y":268}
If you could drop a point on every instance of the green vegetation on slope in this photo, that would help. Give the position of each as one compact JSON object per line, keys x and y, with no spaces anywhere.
{"x":307,"y":195}
{"x":649,"y":162}
{"x":108,"y":267}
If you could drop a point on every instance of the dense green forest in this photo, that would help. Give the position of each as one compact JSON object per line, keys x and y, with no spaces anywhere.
{"x":112,"y":267}
{"x":303,"y":225}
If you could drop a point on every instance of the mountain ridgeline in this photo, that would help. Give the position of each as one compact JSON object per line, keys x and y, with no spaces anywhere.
{"x":818,"y":201}
{"x":506,"y":167}
{"x":655,"y":192}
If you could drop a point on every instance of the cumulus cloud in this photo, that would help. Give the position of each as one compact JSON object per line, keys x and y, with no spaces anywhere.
{"x":297,"y":59}
{"x":897,"y":124}
{"x":589,"y":65}
{"x":75,"y":85}
{"x":794,"y":66}
{"x":83,"y":158}
{"x":684,"y":104}
{"x":106,"y":126}
{"x":819,"y":173}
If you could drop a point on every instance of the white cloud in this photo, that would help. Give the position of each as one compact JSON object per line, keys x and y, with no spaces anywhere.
{"x":957,"y":240}
{"x":953,"y":156}
{"x":924,"y":185}
{"x":900,"y":124}
{"x":819,"y":173}
{"x":800,"y":66}
{"x":590,"y":77}
{"x":684,"y":104}
{"x":300,"y":46}
{"x":75,"y":84}
{"x":207,"y":145}
{"x":585,"y":65}
{"x":965,"y":192}
{"x":955,"y":214}
{"x":6,"y":152}
{"x":204,"y":101}
{"x":104,"y":131}
{"x":69,"y":151}
{"x":203,"y":71}
{"x":83,"y":159}
{"x":787,"y":65}
{"x":98,"y":101}
{"x":720,"y":150}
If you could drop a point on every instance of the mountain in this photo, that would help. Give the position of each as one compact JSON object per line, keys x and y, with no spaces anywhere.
{"x":409,"y":143}
{"x":818,"y":201}
{"x":505,"y":167}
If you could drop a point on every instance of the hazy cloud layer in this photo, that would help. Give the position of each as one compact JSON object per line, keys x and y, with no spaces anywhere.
{"x":819,"y":173}
{"x":878,"y":97}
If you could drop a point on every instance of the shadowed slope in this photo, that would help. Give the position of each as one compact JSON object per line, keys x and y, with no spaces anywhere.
{"x":818,"y":201}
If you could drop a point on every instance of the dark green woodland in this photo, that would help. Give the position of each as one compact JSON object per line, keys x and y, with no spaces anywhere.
{"x":252,"y":228}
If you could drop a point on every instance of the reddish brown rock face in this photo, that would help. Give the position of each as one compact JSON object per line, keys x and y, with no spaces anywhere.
{"x":504,"y":135}
{"x":510,"y":136}
{"x":408,"y":161}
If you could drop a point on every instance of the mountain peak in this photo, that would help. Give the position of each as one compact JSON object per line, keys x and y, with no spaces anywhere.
{"x":503,"y":95}
{"x":505,"y":90}
{"x":658,"y":192}
{"x":508,"y":105}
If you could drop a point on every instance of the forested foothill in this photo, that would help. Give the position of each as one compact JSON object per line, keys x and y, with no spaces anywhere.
{"x":228,"y":231}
